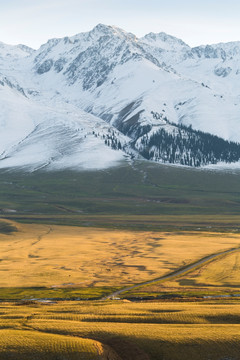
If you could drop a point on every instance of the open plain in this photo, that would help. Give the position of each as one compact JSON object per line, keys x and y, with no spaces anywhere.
{"x":55,"y":256}
{"x":97,"y":265}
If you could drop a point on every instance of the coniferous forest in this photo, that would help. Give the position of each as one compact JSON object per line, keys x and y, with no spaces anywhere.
{"x":186,"y":146}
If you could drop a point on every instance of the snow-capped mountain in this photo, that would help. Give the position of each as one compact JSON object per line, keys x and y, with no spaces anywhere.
{"x":97,"y":97}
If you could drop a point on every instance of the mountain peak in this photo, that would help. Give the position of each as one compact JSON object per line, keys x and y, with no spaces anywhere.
{"x":163,"y":40}
{"x":14,"y":51}
{"x":101,"y":28}
{"x":26,"y":49}
{"x":112,"y":30}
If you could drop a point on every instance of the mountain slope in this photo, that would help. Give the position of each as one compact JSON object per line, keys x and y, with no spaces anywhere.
{"x":178,"y":144}
{"x":105,"y":70}
{"x":121,"y":80}
{"x":35,"y":136}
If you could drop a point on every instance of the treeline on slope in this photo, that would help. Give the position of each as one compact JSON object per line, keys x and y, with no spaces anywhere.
{"x":181,"y":145}
{"x":189,"y":147}
{"x":110,"y":139}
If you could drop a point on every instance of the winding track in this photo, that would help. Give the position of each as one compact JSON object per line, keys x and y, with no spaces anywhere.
{"x":39,"y":238}
{"x":173,"y":274}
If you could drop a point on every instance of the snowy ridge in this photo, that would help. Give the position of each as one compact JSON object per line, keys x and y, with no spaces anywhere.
{"x":14,"y":52}
{"x":60,"y":103}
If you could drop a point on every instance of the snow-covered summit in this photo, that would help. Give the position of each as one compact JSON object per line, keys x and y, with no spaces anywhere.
{"x":134,"y":86}
{"x":164,"y":41}
{"x":110,"y":30}
{"x":14,"y":51}
{"x":222,"y":51}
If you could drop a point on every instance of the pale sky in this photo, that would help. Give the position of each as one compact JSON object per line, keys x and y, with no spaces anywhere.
{"x":33,"y":22}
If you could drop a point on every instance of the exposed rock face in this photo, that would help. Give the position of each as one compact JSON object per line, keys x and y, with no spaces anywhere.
{"x":45,"y":66}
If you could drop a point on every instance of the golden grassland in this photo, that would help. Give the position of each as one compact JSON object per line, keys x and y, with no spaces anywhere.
{"x":64,"y":256}
{"x":223,"y":272}
{"x":222,"y":275}
{"x":33,"y":345}
{"x":42,"y":255}
{"x":217,"y":277}
{"x":208,"y":330}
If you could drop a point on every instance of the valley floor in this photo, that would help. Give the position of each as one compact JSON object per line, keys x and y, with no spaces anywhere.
{"x":80,"y":259}
{"x":62,"y":262}
{"x":140,"y":232}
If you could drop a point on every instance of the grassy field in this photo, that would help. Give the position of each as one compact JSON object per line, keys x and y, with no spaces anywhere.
{"x":84,"y":235}
{"x":140,"y":196}
{"x":221,"y":273}
{"x":17,"y":344}
{"x":56,"y":257}
{"x":121,"y":330}
{"x":220,"y":276}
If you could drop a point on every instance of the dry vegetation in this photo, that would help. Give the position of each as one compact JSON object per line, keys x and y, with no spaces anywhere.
{"x":220,"y":275}
{"x":17,"y":344}
{"x":64,"y":256}
{"x":41,"y":255}
{"x":133,"y":233}
{"x":135,"y":331}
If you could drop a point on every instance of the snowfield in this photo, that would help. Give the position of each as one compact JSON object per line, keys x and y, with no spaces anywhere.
{"x":90,"y":100}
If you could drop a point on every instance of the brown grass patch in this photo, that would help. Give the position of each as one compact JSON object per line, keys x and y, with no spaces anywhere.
{"x":41,"y":255}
